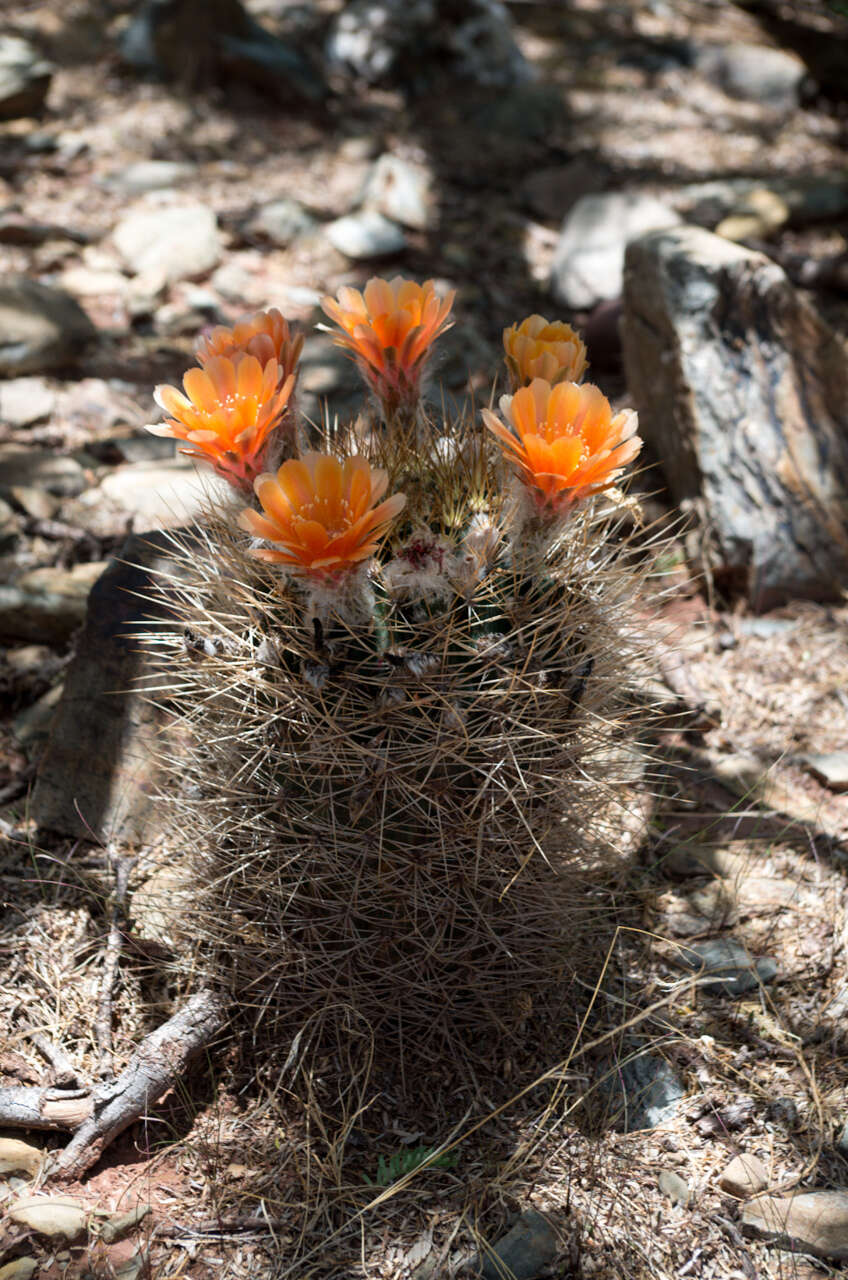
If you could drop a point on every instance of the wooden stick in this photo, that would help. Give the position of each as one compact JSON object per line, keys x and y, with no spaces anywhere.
{"x":64,"y":1073}
{"x":157,"y":1065}
{"x":39,"y":1108}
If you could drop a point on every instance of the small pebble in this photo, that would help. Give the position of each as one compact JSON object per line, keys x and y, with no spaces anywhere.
{"x":676,"y":1188}
{"x":744,"y":1176}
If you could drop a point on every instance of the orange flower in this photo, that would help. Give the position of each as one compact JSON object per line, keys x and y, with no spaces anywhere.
{"x":389,"y":330}
{"x":265,"y":335}
{"x":228,"y":412}
{"x":322,"y":514}
{"x":564,"y":439}
{"x":540,"y":348}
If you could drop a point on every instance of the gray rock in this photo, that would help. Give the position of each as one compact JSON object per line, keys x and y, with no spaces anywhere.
{"x":742,"y":391}
{"x":40,"y":328}
{"x":24,"y":78}
{"x":809,"y":198}
{"x":483,"y":48}
{"x":588,"y":265}
{"x":281,"y":222}
{"x":813,"y":1222}
{"x":144,"y":292}
{"x":676,"y":1188}
{"x":24,"y":401}
{"x":380,"y":39}
{"x":830,"y":768}
{"x":98,"y":776}
{"x":202,"y":299}
{"x":271,"y":66}
{"x":37,"y":503}
{"x":237,"y":284}
{"x":527,"y":1250}
{"x":214,"y":43}
{"x":744,"y":1176}
{"x":163,"y":494}
{"x":402,"y":191}
{"x":97,"y":405}
{"x":460,"y":353}
{"x":772,"y":77}
{"x":688,"y":860}
{"x":150,"y":175}
{"x":641,"y":1092}
{"x":724,"y":966}
{"x":175,"y":318}
{"x":47,"y":605}
{"x":179,"y":241}
{"x":93,"y":282}
{"x":40,"y":469}
{"x":364,"y":235}
{"x":369,"y":38}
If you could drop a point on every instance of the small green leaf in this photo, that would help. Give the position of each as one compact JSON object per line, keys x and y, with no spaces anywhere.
{"x":404,"y":1162}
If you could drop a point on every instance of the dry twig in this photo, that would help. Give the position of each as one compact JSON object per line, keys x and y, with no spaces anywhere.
{"x":98,"y":1115}
{"x":156,"y":1066}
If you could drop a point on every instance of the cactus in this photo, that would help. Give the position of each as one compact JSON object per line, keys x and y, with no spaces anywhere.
{"x":401,"y":710}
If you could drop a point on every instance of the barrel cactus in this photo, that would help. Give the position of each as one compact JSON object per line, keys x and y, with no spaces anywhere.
{"x":402,"y":666}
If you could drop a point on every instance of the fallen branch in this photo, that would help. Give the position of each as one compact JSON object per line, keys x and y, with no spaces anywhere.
{"x":157,"y":1065}
{"x":64,"y":1074}
{"x":44,"y":1108}
{"x":96,"y":1116}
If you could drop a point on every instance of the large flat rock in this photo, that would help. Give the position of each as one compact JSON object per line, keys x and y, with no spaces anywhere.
{"x":99,"y":775}
{"x":742,"y":390}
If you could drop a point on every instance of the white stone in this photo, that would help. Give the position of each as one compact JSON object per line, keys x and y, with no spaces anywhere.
{"x":588,"y":265}
{"x":154,"y":495}
{"x":744,"y":1176}
{"x":365,"y":235}
{"x":24,"y":78}
{"x":181,"y":241}
{"x":150,"y":175}
{"x":759,"y":73}
{"x":402,"y":191}
{"x":830,"y":768}
{"x":281,"y":222}
{"x":24,"y":401}
{"x":90,"y":282}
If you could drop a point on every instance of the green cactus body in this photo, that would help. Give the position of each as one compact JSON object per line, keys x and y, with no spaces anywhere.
{"x":391,"y":790}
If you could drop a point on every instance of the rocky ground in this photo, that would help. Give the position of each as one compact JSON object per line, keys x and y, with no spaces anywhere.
{"x":510,"y":153}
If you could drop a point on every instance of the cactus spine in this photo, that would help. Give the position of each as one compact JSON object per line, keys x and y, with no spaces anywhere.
{"x":399,"y":709}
